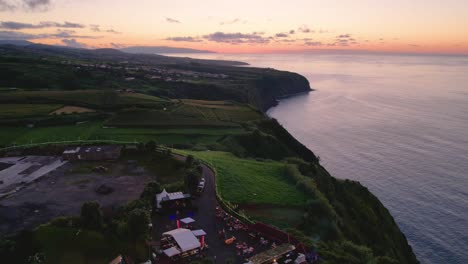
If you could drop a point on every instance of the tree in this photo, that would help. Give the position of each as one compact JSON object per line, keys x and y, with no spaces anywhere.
{"x":91,"y":216}
{"x":151,"y":189}
{"x":150,"y":146}
{"x":189,"y":161}
{"x":191,"y":181}
{"x":138,"y":223}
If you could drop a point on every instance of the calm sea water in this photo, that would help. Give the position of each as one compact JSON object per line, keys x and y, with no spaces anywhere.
{"x":399,"y":125}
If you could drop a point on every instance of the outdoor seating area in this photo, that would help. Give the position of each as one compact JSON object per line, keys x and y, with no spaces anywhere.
{"x":238,"y":235}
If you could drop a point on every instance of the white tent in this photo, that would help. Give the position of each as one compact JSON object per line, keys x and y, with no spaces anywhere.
{"x":170,"y":252}
{"x":184,"y":238}
{"x":165,"y":196}
{"x":187,"y":220}
{"x":199,"y":232}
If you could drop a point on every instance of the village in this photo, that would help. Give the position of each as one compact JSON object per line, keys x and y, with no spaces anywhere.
{"x":185,"y":227}
{"x":156,"y":73}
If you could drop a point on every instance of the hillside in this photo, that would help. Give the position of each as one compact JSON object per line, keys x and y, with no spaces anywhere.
{"x":214,"y":112}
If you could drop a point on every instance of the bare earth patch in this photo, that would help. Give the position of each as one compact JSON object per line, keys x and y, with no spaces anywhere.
{"x":62,"y":192}
{"x":71,"y":110}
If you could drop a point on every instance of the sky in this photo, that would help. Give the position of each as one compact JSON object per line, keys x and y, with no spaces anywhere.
{"x":243,"y":26}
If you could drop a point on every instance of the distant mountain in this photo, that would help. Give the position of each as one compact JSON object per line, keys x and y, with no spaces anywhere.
{"x":15,"y":42}
{"x":161,"y":50}
{"x":113,"y":55}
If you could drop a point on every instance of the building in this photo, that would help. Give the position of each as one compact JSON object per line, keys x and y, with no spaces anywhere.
{"x":175,"y":200}
{"x":93,"y":153}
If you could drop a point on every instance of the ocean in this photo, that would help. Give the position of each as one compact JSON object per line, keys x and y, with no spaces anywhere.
{"x":396,"y":123}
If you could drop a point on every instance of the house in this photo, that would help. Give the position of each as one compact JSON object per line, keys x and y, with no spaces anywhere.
{"x":93,"y":153}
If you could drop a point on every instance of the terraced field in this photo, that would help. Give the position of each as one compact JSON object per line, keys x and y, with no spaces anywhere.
{"x":118,"y":116}
{"x":86,"y":98}
{"x":26,"y":110}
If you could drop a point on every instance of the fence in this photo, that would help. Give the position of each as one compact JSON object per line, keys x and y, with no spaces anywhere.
{"x":68,"y":142}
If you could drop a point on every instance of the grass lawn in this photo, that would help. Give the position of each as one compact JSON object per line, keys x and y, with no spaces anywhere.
{"x":247,"y":181}
{"x":26,"y":110}
{"x":280,"y":216}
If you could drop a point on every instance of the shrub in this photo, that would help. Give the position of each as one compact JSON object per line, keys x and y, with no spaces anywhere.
{"x":138,"y":222}
{"x":91,"y":216}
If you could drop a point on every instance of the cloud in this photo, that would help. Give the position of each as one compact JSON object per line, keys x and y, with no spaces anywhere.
{"x":281,"y":35}
{"x":305,"y":29}
{"x":313,"y":43}
{"x":12,"y":25}
{"x":343,"y":36}
{"x":113,"y":31}
{"x":25,"y":5}
{"x":287,"y":40}
{"x":414,"y":45}
{"x":6,"y":6}
{"x":97,"y":28}
{"x":73,"y":43}
{"x":229,"y":22}
{"x":36,"y":5}
{"x":184,"y":39}
{"x":171,"y":20}
{"x":117,"y":45}
{"x":13,"y":35}
{"x":237,"y":38}
{"x":68,"y":34}
{"x":10,"y":35}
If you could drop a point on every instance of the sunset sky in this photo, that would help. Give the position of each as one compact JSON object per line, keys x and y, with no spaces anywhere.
{"x":420,"y":26}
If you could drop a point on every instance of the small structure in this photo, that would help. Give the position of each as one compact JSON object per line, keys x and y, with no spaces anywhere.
{"x":175,"y":200}
{"x":199,"y":232}
{"x":180,"y":243}
{"x":187,"y":220}
{"x":93,"y":153}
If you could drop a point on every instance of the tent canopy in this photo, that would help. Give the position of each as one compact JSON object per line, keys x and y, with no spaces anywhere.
{"x":184,"y":238}
{"x":170,"y":252}
{"x":199,"y":232}
{"x":187,"y":220}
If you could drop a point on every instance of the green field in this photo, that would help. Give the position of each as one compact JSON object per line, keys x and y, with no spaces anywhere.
{"x":90,"y":98}
{"x":202,"y":114}
{"x":26,"y":110}
{"x":247,"y":181}
{"x":95,"y":131}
